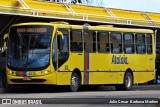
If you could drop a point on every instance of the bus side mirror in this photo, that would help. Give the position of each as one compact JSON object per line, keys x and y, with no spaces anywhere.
{"x":60,"y":34}
{"x":63,"y":39}
{"x":5,"y":37}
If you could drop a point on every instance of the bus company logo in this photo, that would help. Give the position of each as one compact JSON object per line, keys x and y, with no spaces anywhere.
{"x":119,"y":59}
{"x":6,"y":101}
{"x":21,"y":101}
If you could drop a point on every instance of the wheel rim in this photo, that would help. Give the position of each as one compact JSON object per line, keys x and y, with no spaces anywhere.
{"x":74,"y":81}
{"x":128,"y":81}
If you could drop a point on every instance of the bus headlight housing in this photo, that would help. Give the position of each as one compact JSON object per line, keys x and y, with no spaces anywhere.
{"x":29,"y":73}
{"x":45,"y":72}
{"x":11,"y":72}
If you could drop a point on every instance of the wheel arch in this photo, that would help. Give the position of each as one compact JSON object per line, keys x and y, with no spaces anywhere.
{"x":76,"y":70}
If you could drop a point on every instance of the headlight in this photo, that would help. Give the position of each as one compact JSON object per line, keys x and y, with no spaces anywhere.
{"x":47,"y":72}
{"x":44,"y":72}
{"x":10,"y":72}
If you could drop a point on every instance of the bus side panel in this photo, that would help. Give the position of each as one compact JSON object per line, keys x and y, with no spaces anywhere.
{"x":62,"y":78}
{"x":151,"y":62}
{"x":100,"y":63}
{"x":151,"y":66}
{"x":140,"y":68}
{"x":120,"y":77}
{"x":129,"y":64}
{"x":117,"y":67}
{"x":62,"y":74}
{"x":151,"y":56}
{"x":98,"y":66}
{"x":142,"y":77}
{"x":75,"y":61}
{"x":144,"y":72}
{"x":112,"y":74}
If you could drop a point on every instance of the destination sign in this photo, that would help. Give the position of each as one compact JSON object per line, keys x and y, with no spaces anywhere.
{"x":31,"y":30}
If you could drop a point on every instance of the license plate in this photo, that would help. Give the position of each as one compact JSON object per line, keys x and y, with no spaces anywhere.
{"x":27,"y":78}
{"x":31,"y":73}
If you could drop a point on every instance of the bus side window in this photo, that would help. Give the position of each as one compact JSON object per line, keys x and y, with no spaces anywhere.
{"x":76,"y":41}
{"x":94,"y":41}
{"x":140,"y":44}
{"x":149,"y":43}
{"x":103,"y":42}
{"x":128,"y":43}
{"x":89,"y":41}
{"x":116,"y":42}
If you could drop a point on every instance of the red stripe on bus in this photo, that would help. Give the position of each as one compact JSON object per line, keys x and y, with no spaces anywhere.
{"x":21,"y":73}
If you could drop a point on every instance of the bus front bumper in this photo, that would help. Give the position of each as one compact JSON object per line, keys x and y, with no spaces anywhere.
{"x":45,"y":79}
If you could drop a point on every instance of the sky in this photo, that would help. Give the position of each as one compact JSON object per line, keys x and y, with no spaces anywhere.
{"x":140,"y":5}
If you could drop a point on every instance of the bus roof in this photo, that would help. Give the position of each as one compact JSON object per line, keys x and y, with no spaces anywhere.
{"x":96,"y":28}
{"x":106,"y":28}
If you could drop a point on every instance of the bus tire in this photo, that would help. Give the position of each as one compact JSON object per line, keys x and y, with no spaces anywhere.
{"x":4,"y":85}
{"x":127,"y":83}
{"x":74,"y":82}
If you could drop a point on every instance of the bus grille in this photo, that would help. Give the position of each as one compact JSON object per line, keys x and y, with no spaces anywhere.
{"x":33,"y":80}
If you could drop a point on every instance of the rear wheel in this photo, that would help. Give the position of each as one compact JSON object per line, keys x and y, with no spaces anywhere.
{"x":127,"y":83}
{"x":74,"y":82}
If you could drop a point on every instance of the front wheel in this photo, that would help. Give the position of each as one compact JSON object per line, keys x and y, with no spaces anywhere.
{"x":3,"y":84}
{"x":74,"y":82}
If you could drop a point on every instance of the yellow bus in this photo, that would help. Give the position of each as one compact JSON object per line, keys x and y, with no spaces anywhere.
{"x":75,"y":55}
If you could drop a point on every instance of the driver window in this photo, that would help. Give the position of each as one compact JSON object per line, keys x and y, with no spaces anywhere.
{"x":63,"y":47}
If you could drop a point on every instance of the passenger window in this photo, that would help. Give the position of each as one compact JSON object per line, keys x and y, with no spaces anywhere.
{"x":76,"y":41}
{"x":103,"y":42}
{"x":149,"y":43}
{"x":128,"y":43}
{"x":116,"y":42}
{"x":140,"y":44}
{"x":90,"y":41}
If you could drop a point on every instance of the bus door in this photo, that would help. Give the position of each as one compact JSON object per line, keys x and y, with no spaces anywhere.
{"x":150,"y":56}
{"x":60,"y":56}
{"x":140,"y":58}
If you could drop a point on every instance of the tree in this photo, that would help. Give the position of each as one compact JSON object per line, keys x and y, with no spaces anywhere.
{"x":82,"y":2}
{"x":88,"y":2}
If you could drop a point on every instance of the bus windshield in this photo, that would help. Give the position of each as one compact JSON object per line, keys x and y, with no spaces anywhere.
{"x":29,"y":47}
